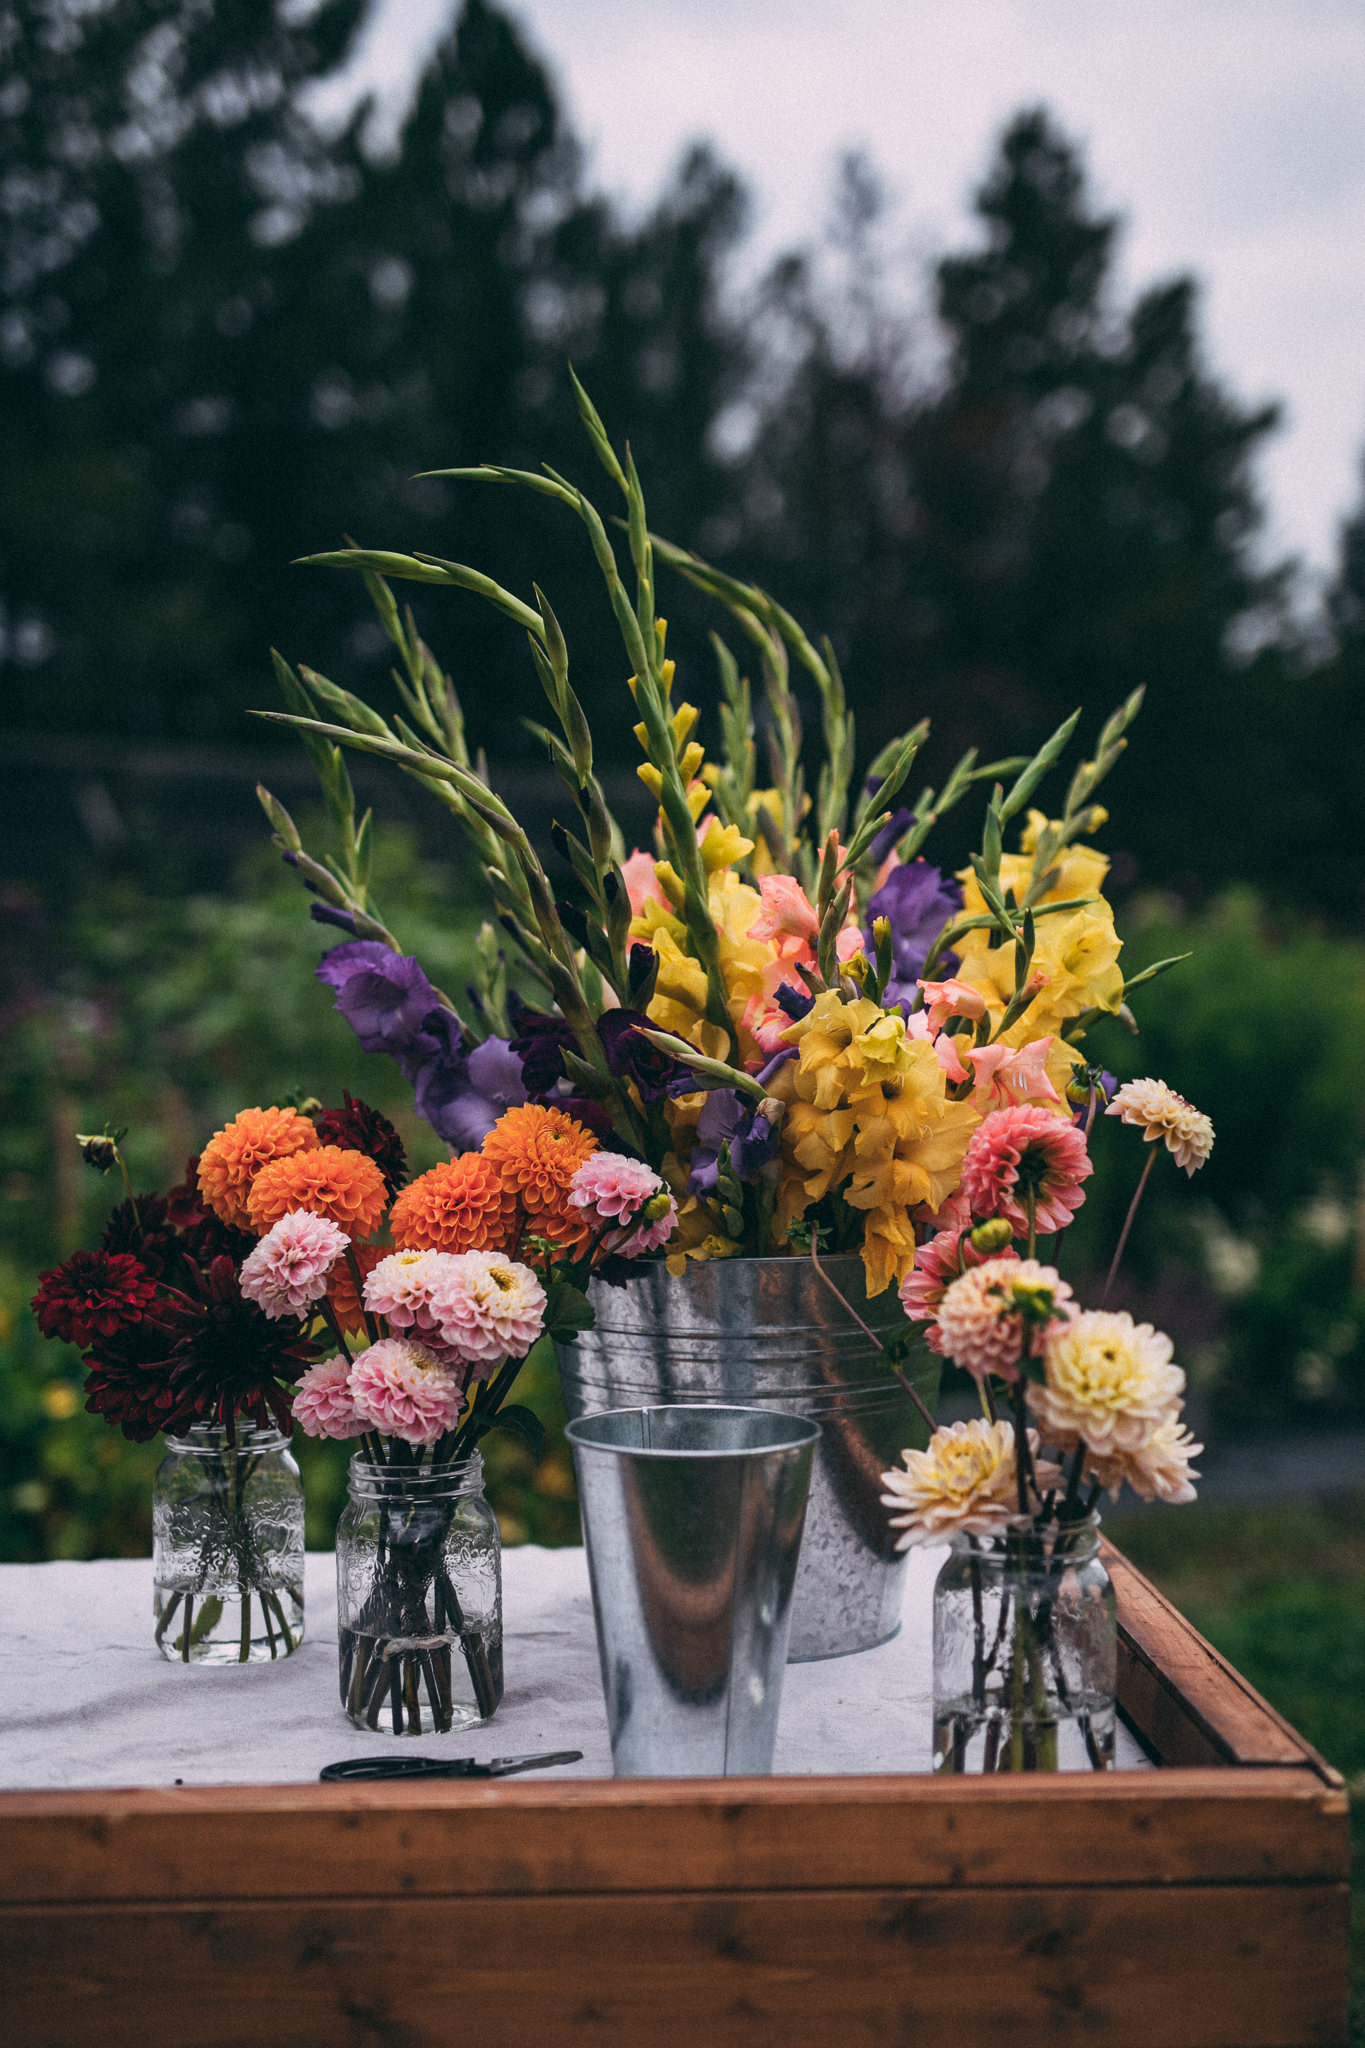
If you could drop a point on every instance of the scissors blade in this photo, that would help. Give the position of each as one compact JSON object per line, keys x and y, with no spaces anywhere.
{"x":504,"y":1766}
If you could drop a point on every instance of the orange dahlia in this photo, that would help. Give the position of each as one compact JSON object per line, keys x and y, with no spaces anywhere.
{"x":346,"y":1186}
{"x":235,"y":1155}
{"x":341,"y":1289}
{"x":536,"y":1151}
{"x":460,"y":1206}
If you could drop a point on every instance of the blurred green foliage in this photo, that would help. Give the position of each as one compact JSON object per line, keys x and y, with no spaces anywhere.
{"x":1281,"y":1592}
{"x":1257,"y":1264}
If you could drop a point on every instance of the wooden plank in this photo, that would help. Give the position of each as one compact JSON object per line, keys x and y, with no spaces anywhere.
{"x":1148,"y":1827}
{"x":1203,"y":1967}
{"x":1184,"y":1700}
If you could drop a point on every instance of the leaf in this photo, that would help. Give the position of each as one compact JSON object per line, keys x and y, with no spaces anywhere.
{"x":523,"y":1423}
{"x":567,"y":1311}
{"x":209,"y":1615}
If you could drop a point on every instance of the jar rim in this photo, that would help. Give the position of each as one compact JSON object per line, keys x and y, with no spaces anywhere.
{"x":1083,"y":1534}
{"x":210,"y":1439}
{"x":367,"y":1476}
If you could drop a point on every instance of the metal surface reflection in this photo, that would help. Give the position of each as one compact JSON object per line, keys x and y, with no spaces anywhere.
{"x":769,"y":1332}
{"x":692,"y":1517}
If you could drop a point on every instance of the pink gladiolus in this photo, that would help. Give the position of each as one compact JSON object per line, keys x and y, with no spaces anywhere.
{"x":642,"y":884}
{"x":787,"y":913}
{"x":951,"y":998}
{"x":1008,"y":1074}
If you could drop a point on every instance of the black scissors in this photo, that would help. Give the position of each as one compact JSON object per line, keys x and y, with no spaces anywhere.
{"x":352,"y":1768}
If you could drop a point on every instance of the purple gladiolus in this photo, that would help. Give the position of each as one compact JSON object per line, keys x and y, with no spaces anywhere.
{"x":729,"y":1118}
{"x":917,"y":902}
{"x":392,"y":1008}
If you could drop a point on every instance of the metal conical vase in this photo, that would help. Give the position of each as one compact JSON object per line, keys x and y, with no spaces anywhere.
{"x":771,"y":1333}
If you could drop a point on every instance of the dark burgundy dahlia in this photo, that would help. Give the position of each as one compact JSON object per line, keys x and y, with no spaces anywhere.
{"x":358,"y":1128}
{"x":93,"y":1295}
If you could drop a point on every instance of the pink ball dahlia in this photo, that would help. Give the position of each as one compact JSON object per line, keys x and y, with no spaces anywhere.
{"x":612,"y":1189}
{"x":288,"y":1270}
{"x":981,"y":1318}
{"x":322,"y":1400}
{"x":402,"y":1389}
{"x":486,"y":1307}
{"x":937,"y":1264}
{"x":1026,"y":1147}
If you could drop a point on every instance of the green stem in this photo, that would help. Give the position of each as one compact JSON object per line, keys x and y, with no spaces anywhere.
{"x":1128,"y":1222}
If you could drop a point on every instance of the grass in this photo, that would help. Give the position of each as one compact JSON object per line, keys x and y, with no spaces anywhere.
{"x":1281,"y":1592}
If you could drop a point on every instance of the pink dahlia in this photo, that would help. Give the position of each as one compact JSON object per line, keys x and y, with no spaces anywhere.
{"x":986,"y":1313}
{"x":323,"y":1405}
{"x":937,"y":1264}
{"x":402,"y":1389}
{"x":614,"y":1190}
{"x":486,"y":1308}
{"x":288,"y":1270}
{"x":1026,"y":1148}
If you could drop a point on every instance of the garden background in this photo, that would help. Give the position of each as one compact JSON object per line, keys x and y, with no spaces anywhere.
{"x":226,"y":339}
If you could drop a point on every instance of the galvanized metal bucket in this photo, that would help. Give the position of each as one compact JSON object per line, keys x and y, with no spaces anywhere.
{"x":692,"y":1520}
{"x":770,"y":1333}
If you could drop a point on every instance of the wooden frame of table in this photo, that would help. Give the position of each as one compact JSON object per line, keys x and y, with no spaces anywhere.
{"x":1199,"y":1905}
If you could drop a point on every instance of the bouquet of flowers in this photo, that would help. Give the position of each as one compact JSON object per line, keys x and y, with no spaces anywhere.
{"x":780,"y":1006}
{"x":173,"y":1343}
{"x":818,"y":1040}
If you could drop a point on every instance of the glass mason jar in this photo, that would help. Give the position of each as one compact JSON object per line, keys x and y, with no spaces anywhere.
{"x":1025,"y":1650}
{"x":419,"y":1598}
{"x":227,"y":1547}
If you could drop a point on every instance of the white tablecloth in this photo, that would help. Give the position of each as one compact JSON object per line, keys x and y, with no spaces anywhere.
{"x":86,"y":1699}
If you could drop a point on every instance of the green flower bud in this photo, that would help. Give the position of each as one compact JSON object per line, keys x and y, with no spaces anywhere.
{"x":992,"y":1237}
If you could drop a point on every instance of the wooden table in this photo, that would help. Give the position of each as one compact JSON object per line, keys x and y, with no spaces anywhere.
{"x":1201,"y":1905}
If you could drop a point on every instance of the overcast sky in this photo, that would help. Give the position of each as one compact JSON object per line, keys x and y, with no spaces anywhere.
{"x":1229,"y":133}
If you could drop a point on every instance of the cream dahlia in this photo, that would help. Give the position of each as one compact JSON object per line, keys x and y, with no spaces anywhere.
{"x":985,"y":1314}
{"x":399,"y":1289}
{"x":288,"y":1270}
{"x":964,"y":1482}
{"x":1109,"y":1381}
{"x":1159,"y":1469}
{"x":1163,"y":1115}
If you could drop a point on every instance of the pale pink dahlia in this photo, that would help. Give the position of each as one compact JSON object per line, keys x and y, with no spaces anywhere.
{"x":323,"y":1405}
{"x":1163,"y":1115}
{"x":1026,"y":1147}
{"x":937,"y":1265}
{"x":288,"y":1270}
{"x":402,"y":1389}
{"x":487,"y":1307}
{"x":983,"y":1315}
{"x":400,"y":1289}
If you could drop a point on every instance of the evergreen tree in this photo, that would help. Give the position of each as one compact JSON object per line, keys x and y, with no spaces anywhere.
{"x":1069,"y":515}
{"x":230,"y":340}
